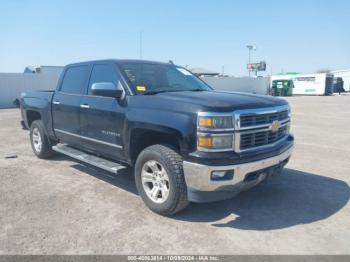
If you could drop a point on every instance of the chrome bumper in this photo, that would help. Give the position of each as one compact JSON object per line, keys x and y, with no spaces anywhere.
{"x":198,"y":177}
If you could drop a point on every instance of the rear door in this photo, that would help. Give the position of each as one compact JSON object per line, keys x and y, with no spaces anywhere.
{"x":66,"y":104}
{"x":102,"y":118}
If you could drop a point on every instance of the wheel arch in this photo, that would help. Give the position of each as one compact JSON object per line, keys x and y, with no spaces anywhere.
{"x":141,"y":137}
{"x":31,"y":116}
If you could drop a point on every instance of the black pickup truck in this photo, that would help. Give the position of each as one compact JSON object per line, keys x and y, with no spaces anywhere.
{"x":185,"y":141}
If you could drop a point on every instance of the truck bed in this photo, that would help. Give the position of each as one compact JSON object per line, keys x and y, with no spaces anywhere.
{"x":37,"y":101}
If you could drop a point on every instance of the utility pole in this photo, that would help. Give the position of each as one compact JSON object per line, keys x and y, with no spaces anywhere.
{"x":250,"y":48}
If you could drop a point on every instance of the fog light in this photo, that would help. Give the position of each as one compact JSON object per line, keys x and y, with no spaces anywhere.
{"x":222,"y":175}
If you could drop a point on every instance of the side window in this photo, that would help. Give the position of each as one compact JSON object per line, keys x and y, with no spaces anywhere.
{"x":103,"y":73}
{"x":74,"y":79}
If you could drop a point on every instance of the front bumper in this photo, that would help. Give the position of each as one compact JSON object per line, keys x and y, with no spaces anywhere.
{"x":201,"y":188}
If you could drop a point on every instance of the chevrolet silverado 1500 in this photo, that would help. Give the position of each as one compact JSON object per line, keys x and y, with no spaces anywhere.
{"x":185,"y":141}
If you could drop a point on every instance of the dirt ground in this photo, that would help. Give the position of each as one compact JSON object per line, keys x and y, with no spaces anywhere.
{"x":59,"y":206}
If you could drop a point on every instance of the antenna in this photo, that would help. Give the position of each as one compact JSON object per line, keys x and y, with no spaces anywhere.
{"x":141,"y":44}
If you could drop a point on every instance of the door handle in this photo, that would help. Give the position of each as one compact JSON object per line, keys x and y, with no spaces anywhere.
{"x":84,"y":106}
{"x":56,"y":102}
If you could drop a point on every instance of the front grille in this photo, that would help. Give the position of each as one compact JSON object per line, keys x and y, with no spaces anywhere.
{"x":257,"y":120}
{"x":261,"y":138}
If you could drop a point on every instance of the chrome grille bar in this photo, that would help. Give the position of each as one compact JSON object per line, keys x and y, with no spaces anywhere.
{"x":253,"y":127}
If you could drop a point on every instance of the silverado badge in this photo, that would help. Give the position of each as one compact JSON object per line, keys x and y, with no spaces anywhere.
{"x":275,"y":126}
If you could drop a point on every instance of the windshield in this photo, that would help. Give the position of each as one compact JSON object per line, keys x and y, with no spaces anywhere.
{"x":148,"y":78}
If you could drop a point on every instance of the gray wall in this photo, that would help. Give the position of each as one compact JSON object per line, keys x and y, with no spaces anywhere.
{"x":240,"y":84}
{"x":13,"y":84}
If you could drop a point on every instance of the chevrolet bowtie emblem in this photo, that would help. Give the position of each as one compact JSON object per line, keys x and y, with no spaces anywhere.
{"x":275,"y":126}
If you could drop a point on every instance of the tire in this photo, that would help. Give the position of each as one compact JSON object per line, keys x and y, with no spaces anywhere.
{"x":169,"y":162}
{"x":39,"y":141}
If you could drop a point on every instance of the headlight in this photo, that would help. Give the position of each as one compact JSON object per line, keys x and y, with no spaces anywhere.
{"x":215,"y":122}
{"x":215,"y":142}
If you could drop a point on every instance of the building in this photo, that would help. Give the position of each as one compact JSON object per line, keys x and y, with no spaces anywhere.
{"x":203,"y":72}
{"x":43,"y":70}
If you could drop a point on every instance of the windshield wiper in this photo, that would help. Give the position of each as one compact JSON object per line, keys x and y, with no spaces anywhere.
{"x":197,"y":90}
{"x":155,"y":91}
{"x":160,"y":89}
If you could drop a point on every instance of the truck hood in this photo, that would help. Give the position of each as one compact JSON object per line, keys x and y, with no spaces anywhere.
{"x":215,"y":101}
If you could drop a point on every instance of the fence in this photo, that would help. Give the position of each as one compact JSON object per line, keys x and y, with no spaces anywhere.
{"x":240,"y":84}
{"x":13,"y":84}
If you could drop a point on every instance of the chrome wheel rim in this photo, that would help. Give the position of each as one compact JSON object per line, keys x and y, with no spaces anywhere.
{"x":155,"y":181}
{"x":37,"y":142}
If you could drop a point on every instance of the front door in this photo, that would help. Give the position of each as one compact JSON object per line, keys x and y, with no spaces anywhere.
{"x":102,"y":118}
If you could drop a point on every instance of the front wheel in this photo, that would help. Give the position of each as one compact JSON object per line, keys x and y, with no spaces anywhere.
{"x":160,"y":180}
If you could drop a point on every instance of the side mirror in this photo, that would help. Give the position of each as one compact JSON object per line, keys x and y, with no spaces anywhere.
{"x":107,"y":89}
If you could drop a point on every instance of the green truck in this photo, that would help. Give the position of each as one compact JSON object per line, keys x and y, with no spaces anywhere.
{"x":283,"y":87}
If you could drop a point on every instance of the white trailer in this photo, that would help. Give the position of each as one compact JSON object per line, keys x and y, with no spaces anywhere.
{"x":309,"y":84}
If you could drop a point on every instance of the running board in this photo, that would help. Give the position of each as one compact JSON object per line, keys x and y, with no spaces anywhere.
{"x":88,"y":158}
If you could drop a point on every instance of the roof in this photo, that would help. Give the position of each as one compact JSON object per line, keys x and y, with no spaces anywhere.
{"x":39,"y":69}
{"x":121,"y":61}
{"x":29,"y":69}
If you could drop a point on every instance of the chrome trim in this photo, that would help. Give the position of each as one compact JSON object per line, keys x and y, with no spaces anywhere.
{"x":238,"y":130}
{"x":238,"y":150}
{"x":257,"y":130}
{"x":88,"y":138}
{"x":87,"y":158}
{"x":263,"y":110}
{"x":85,"y":106}
{"x":197,"y":176}
{"x":205,"y":129}
{"x":258,"y":111}
{"x":262,"y":126}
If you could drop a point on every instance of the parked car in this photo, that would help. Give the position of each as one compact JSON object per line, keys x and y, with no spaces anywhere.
{"x":185,"y":141}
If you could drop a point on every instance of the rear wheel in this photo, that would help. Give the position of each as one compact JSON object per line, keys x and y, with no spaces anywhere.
{"x":160,"y":180}
{"x":40,"y":142}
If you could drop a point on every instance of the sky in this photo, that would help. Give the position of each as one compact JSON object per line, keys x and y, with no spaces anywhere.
{"x":291,"y":36}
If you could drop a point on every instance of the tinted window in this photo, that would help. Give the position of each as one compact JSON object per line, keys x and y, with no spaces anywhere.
{"x":74,"y":79}
{"x":103,"y":73}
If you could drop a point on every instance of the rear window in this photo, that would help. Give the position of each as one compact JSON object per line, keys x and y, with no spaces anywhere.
{"x":74,"y":80}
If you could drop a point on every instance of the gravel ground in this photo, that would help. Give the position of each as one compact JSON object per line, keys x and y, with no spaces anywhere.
{"x":59,"y":206}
